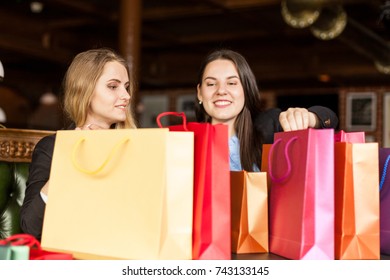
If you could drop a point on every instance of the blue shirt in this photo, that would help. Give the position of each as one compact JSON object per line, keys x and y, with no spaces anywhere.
{"x":234,"y":154}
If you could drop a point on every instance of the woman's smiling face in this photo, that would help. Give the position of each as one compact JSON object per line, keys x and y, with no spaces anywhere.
{"x":221,"y":92}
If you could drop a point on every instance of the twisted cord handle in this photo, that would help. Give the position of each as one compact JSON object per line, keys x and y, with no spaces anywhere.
{"x":287,"y":157}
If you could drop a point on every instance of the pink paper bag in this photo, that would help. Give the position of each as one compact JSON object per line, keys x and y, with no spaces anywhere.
{"x":350,"y":137}
{"x":301,"y":168}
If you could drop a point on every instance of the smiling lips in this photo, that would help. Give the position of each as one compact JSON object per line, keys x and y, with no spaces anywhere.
{"x":222,"y":103}
{"x":123,"y":106}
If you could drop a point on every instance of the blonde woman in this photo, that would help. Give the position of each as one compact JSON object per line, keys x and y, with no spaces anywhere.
{"x":97,"y":95}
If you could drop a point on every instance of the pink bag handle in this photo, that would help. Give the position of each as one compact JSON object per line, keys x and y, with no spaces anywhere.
{"x":176,"y":114}
{"x":288,"y":171}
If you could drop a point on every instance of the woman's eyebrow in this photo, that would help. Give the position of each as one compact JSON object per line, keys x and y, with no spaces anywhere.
{"x":230,"y":77}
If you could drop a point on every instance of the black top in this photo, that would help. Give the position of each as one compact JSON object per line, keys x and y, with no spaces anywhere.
{"x":267,"y":122}
{"x":33,"y":207}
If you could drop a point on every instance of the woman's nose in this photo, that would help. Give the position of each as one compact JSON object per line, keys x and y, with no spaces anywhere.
{"x":221,"y":89}
{"x":125,"y":94}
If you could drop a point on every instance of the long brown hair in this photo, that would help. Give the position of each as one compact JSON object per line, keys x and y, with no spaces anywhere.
{"x":250,"y":141}
{"x":80,"y":81}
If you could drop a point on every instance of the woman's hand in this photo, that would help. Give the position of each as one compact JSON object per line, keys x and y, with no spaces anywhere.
{"x":297,"y":118}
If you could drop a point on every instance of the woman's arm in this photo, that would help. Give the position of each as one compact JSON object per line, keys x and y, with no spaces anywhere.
{"x":327,"y":118}
{"x":33,"y":208}
{"x":269,"y":122}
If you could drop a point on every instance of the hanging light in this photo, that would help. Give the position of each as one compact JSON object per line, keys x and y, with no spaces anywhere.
{"x":299,"y":15}
{"x":1,"y":71}
{"x":3,"y":117}
{"x":330,"y":24}
{"x":36,"y":7}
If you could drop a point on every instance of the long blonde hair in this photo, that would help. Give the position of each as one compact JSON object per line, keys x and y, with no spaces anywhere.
{"x":80,"y":81}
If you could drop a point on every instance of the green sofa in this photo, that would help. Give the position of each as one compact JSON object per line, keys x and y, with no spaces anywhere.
{"x":16,"y":147}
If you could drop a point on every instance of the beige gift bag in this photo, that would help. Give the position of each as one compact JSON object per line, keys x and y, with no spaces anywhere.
{"x":121,"y":194}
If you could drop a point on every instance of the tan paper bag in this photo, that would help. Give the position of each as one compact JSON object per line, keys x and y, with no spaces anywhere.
{"x":121,"y":194}
{"x":249,"y":208}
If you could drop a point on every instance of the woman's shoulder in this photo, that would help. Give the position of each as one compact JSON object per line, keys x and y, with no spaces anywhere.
{"x":47,"y":140}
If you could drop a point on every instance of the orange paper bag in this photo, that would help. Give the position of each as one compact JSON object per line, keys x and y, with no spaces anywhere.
{"x":249,"y":212}
{"x":357,"y":201}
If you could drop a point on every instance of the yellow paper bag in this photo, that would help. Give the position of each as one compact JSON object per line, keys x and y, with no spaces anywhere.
{"x":121,"y":194}
{"x":249,"y":197}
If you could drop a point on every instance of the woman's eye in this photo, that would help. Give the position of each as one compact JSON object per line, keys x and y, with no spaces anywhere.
{"x":210,"y":84}
{"x":112,"y":86}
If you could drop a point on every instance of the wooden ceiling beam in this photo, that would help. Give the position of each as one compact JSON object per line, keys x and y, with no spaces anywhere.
{"x":169,"y":13}
{"x":236,"y":4}
{"x":34,"y":48}
{"x":87,"y":7}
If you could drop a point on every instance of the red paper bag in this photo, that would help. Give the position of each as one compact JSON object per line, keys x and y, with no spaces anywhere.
{"x":211,"y":217}
{"x":301,"y":167}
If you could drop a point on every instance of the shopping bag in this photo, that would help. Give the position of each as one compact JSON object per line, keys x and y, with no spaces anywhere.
{"x":26,"y":247}
{"x":356,"y":201}
{"x":384,"y":172}
{"x":11,"y":252}
{"x":212,"y":221}
{"x":301,"y":167}
{"x":264,"y":163}
{"x":249,"y":209}
{"x":350,"y":137}
{"x":121,"y":194}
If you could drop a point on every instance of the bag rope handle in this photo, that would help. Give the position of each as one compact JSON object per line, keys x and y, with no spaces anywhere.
{"x":176,"y":114}
{"x":384,"y":172}
{"x":288,"y":171}
{"x":21,"y":240}
{"x":97,"y":170}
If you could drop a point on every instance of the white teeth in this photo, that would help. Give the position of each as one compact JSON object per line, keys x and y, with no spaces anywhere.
{"x":223,"y":103}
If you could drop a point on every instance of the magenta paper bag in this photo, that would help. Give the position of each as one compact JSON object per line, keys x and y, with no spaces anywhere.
{"x":384,"y":186}
{"x":301,"y":169}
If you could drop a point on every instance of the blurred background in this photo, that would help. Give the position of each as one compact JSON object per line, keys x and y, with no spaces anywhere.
{"x":303,"y":52}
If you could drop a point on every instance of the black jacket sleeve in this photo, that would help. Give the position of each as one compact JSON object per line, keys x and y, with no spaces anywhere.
{"x":267,"y":123}
{"x":328,"y":118}
{"x":33,"y":207}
